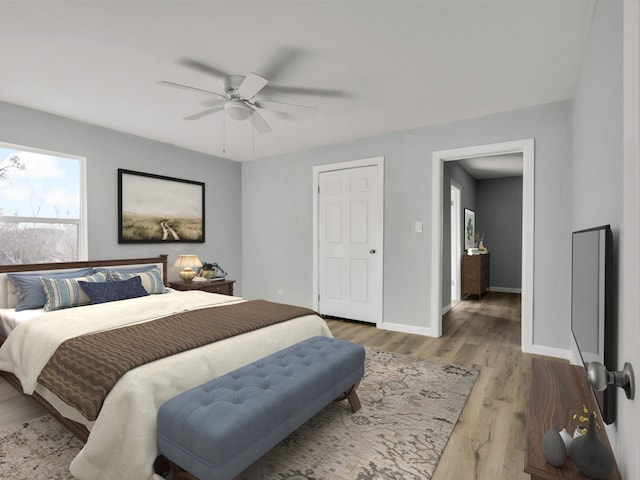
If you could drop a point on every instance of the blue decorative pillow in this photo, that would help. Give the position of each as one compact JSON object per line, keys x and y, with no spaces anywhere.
{"x":104,"y":292}
{"x":151,"y":280}
{"x":66,"y":292}
{"x":130,"y":269}
{"x":30,"y":292}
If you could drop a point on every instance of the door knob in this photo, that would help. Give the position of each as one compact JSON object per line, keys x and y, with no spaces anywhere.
{"x":373,"y":250}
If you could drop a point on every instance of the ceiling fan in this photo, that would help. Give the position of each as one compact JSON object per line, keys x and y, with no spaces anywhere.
{"x":239,"y":99}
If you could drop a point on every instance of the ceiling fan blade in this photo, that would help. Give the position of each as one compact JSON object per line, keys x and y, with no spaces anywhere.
{"x":286,"y":107}
{"x":203,"y":67}
{"x":259,"y":123}
{"x":279,"y":62}
{"x":317,"y":92}
{"x":187,"y":87}
{"x":204,"y":113}
{"x":251,"y":85}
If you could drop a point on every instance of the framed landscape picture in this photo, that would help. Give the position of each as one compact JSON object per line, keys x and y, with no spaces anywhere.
{"x":157,"y":209}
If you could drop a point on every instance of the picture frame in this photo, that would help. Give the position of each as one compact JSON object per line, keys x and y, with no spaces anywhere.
{"x":469,"y":229}
{"x":158,"y":209}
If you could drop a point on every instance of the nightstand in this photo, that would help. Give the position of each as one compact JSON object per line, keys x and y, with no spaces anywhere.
{"x":223,"y":287}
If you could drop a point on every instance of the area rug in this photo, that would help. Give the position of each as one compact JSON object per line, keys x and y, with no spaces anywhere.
{"x":409,"y":409}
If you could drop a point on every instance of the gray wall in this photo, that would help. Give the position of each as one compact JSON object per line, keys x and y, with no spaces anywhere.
{"x":499,"y":216}
{"x":597,"y":124}
{"x":106,"y":151}
{"x":597,"y":132}
{"x":277,"y":215}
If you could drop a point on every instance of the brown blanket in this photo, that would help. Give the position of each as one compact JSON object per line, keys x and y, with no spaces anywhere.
{"x":83,"y":369}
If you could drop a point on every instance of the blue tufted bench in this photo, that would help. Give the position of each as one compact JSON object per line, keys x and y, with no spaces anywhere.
{"x":218,"y":429}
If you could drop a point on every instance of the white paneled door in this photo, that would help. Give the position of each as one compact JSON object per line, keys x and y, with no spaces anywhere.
{"x":628,"y":420}
{"x":350,"y":243}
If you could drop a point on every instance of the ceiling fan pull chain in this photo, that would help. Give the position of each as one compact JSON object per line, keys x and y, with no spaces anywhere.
{"x":224,"y":131}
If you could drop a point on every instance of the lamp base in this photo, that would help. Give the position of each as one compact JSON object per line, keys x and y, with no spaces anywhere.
{"x":187,"y":274}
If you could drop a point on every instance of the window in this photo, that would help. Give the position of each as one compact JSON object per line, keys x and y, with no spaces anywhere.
{"x":42,"y":206}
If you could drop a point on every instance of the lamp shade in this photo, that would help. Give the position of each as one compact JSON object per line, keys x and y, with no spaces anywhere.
{"x":187,"y":262}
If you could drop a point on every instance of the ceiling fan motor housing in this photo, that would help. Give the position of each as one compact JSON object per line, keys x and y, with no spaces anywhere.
{"x":232,"y":83}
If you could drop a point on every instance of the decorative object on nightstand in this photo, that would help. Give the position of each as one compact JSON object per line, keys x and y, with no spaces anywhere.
{"x":212,"y":271}
{"x":187,"y":262}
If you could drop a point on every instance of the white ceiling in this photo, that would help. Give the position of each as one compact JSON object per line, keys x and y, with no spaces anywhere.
{"x":400,"y":65}
{"x":494,"y":166}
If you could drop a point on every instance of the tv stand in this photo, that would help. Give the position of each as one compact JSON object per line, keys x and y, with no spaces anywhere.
{"x":558,"y":391}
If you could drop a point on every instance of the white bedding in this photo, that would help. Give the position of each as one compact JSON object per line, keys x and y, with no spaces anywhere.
{"x":122,"y":442}
{"x":10,"y":319}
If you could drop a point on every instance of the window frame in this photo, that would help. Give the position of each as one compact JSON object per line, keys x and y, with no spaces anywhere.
{"x":82,"y":222}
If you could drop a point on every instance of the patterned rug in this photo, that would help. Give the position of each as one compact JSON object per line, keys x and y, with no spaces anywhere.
{"x":409,"y":409}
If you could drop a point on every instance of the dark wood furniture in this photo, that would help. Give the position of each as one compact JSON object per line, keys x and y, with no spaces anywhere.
{"x":224,"y":287}
{"x":558,"y":391}
{"x":162,"y":259}
{"x":475,"y":274}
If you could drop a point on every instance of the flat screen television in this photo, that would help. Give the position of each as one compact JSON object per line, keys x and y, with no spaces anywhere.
{"x":592,"y":322}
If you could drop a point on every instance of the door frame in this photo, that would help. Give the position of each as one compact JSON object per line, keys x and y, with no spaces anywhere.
{"x":454,"y":241}
{"x":378,"y":287}
{"x":527,"y":148}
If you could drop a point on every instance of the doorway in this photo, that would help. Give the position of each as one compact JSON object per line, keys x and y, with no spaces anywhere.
{"x":526,"y":148}
{"x":348,"y":239}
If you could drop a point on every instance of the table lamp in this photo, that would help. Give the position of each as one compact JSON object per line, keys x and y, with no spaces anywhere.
{"x":187,"y":262}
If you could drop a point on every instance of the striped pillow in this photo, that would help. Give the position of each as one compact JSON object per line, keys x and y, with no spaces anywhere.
{"x":66,"y":292}
{"x":151,"y":280}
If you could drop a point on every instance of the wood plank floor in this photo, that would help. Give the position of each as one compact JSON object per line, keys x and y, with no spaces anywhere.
{"x":488,"y":443}
{"x":489,"y":440}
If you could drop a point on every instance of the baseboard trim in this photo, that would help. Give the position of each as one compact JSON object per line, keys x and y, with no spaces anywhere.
{"x":401,"y":328}
{"x":505,"y":289}
{"x":548,"y":351}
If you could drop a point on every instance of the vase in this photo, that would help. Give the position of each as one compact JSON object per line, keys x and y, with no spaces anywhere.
{"x":579,"y":431}
{"x":567,"y":439}
{"x":553,"y":448}
{"x":590,"y":455}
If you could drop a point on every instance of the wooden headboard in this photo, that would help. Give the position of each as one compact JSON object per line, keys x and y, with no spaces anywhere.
{"x":87,"y":264}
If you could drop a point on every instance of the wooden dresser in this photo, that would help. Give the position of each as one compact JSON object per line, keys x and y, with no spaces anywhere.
{"x":558,"y":391}
{"x":475,"y":274}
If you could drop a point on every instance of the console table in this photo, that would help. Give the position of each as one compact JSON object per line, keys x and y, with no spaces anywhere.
{"x":558,"y":391}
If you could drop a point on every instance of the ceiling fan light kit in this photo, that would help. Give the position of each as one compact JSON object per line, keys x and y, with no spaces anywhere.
{"x":238,"y":110}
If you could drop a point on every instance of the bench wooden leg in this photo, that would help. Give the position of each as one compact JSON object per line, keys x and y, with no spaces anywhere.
{"x":352,"y":398}
{"x":177,"y":473}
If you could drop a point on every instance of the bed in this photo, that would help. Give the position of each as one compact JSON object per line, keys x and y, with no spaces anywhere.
{"x":121,"y":442}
